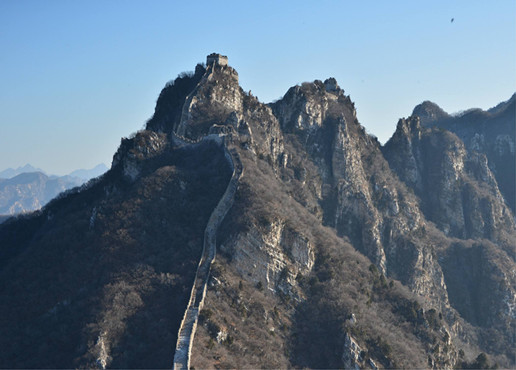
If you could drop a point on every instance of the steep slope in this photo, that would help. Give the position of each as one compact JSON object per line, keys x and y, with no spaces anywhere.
{"x":359,"y":195}
{"x":107,"y":269}
{"x":327,"y":163}
{"x":327,"y":255}
{"x":491,"y":133}
{"x":458,"y":191}
{"x":189,"y":323}
{"x":284,"y":288}
{"x":218,"y":105}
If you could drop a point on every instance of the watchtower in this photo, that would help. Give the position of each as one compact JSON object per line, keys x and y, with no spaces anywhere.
{"x":215,"y":58}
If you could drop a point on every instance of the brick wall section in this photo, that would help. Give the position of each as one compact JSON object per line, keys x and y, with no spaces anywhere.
{"x":189,"y":324}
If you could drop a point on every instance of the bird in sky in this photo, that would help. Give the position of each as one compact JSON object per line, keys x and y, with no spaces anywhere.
{"x":452,"y":20}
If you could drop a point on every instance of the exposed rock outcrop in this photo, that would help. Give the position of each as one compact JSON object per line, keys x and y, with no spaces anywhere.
{"x":358,"y":192}
{"x":490,"y":132}
{"x":458,"y":190}
{"x":133,"y":152}
{"x":273,"y":257}
{"x":335,"y":251}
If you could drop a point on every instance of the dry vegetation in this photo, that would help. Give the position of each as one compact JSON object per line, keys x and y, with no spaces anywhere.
{"x":274,"y":330}
{"x":109,"y":269}
{"x":123,"y":277}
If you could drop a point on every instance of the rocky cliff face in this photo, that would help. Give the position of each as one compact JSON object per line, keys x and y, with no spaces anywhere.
{"x":345,"y":181}
{"x":459,"y":193}
{"x":358,"y":193}
{"x":491,"y":133}
{"x":457,"y":189}
{"x":332,"y":240}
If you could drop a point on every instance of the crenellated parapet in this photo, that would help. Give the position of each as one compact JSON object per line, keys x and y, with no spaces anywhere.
{"x":215,"y":58}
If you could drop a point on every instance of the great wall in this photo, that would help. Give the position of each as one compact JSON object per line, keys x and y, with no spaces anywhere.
{"x":189,"y":323}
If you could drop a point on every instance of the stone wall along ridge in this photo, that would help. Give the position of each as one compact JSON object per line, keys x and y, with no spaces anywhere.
{"x":189,"y":323}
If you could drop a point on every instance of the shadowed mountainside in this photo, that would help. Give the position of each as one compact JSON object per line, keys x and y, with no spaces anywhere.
{"x":490,"y":132}
{"x":336,"y":251}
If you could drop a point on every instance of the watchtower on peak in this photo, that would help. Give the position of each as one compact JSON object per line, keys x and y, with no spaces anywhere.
{"x":215,"y":58}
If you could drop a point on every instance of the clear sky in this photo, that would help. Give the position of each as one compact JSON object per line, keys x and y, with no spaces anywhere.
{"x":76,"y":76}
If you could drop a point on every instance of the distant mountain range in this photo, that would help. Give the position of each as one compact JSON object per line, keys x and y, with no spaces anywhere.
{"x":11,"y":172}
{"x":91,"y":173}
{"x":30,"y":191}
{"x":230,"y":233}
{"x":27,"y":188}
{"x":84,"y":174}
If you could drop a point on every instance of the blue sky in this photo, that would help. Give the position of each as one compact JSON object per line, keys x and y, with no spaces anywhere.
{"x":76,"y":76}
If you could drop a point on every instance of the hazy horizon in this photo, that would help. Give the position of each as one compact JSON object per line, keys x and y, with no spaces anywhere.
{"x":77,"y":77}
{"x":28,"y":167}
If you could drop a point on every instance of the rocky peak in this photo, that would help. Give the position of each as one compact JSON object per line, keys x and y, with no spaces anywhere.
{"x":357,"y":193}
{"x":490,"y":132}
{"x":133,"y":152}
{"x":206,"y":97}
{"x":407,"y":132}
{"x":169,"y":105}
{"x":409,"y":125}
{"x":307,"y":106}
{"x":508,"y":104}
{"x":212,"y":101}
{"x":455,"y":186}
{"x":429,"y":112}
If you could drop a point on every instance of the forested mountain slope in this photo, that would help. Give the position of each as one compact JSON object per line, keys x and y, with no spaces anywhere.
{"x":335,"y":252}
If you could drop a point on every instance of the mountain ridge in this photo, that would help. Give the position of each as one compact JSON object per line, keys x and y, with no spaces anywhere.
{"x":490,"y":132}
{"x":11,"y":172}
{"x":27,"y":189}
{"x":328,"y":245}
{"x":84,"y":174}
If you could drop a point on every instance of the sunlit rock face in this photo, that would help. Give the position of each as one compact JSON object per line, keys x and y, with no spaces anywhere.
{"x":490,"y":132}
{"x":359,"y":194}
{"x":273,"y":257}
{"x":335,"y":251}
{"x":398,"y":204}
{"x":133,"y":152}
{"x":459,"y":193}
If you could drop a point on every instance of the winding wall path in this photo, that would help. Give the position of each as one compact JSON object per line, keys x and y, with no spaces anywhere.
{"x":189,"y":324}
